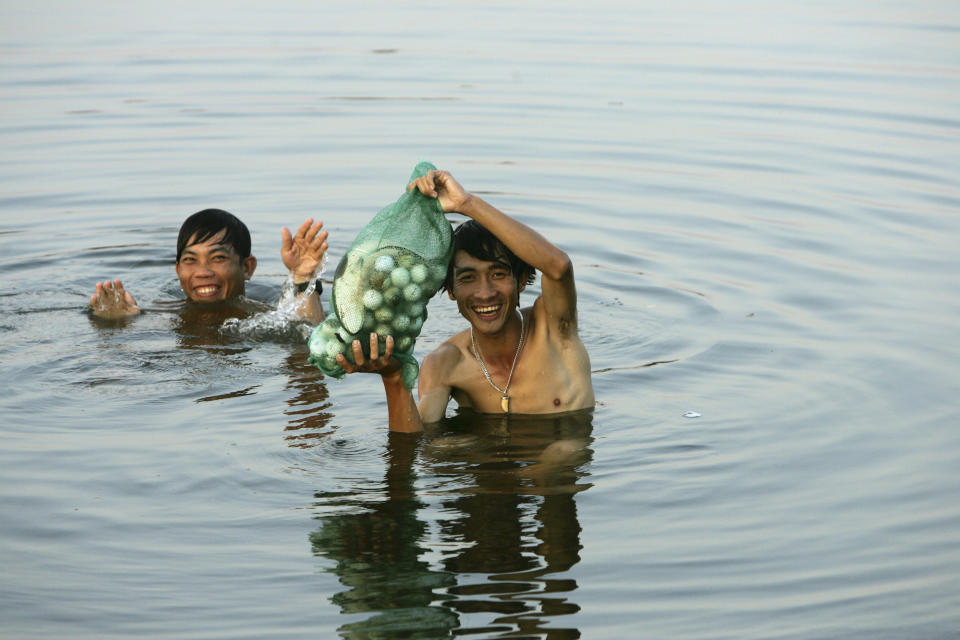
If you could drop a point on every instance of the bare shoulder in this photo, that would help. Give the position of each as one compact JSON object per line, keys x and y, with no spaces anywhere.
{"x":555,"y":327}
{"x":439,"y":373}
{"x":549,"y":340}
{"x":440,"y":364}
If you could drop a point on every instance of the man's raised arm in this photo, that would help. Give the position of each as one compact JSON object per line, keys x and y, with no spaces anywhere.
{"x":557,"y":285}
{"x":302,"y":254}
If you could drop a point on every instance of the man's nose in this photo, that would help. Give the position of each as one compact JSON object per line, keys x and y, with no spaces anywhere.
{"x":486,"y":288}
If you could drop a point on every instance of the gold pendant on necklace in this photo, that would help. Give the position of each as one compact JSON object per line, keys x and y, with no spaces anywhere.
{"x":505,"y":403}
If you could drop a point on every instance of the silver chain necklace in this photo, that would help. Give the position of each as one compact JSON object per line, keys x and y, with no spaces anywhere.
{"x":504,"y":397}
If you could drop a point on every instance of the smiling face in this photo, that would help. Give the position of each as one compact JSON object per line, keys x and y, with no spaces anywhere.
{"x":211,"y":271}
{"x":486,"y":292}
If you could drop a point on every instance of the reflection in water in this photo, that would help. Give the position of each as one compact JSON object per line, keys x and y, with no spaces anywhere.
{"x":220,"y":327}
{"x":228,"y":328}
{"x":377,"y":555}
{"x":220,"y":335}
{"x":199,"y":326}
{"x":178,"y":346}
{"x":309,"y":408}
{"x":511,"y":521}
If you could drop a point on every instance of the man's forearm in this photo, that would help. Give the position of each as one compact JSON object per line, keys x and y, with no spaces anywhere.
{"x":402,"y":411}
{"x":527,"y":244}
{"x":309,"y":308}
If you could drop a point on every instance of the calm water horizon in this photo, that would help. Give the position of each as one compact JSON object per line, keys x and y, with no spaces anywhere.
{"x":762,"y":205}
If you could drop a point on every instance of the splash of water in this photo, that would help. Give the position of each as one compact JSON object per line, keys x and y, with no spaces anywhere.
{"x":282,"y":323}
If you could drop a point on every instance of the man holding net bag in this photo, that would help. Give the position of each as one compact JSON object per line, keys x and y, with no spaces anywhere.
{"x":510,"y":360}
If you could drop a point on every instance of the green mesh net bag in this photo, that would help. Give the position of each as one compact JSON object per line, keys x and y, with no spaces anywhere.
{"x":384,"y":281}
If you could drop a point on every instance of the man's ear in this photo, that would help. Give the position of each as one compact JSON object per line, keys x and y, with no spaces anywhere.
{"x":450,"y":294}
{"x":249,"y":266}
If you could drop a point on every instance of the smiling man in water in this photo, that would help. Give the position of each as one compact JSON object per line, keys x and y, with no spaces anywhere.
{"x":214,"y":262}
{"x":510,"y":360}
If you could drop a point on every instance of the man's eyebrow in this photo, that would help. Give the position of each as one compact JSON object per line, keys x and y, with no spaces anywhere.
{"x":220,"y":246}
{"x":500,"y":264}
{"x":497,"y":264}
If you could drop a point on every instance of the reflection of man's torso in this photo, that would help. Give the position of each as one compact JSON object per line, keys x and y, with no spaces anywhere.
{"x":500,"y":492}
{"x":516,"y":516}
{"x":527,"y":442}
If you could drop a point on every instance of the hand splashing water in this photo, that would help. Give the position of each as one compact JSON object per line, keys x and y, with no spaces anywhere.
{"x":280,"y":324}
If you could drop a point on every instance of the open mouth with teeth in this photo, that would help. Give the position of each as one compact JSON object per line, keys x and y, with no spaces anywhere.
{"x":206,"y":291}
{"x":488,"y":312}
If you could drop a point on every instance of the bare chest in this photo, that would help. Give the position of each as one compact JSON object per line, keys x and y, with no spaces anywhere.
{"x":543,"y":381}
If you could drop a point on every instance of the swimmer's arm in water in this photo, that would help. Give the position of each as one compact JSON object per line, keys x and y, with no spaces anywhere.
{"x":302,"y":254}
{"x":112,"y":301}
{"x":404,"y":414}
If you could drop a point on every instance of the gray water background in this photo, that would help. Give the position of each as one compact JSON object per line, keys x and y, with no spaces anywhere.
{"x":761,"y":202}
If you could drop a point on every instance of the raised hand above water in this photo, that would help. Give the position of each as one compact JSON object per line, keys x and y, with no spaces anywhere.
{"x":112,"y":301}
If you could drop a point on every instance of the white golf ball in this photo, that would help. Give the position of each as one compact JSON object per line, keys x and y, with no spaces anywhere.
{"x":382,"y":332}
{"x":414,"y":309}
{"x":419,"y":273}
{"x":335,"y":347}
{"x":328,"y":328}
{"x":372,"y":299}
{"x":385,"y":264}
{"x":318,"y":347}
{"x":412,"y":292}
{"x":401,"y":324}
{"x":400,"y":277}
{"x":438,"y":273}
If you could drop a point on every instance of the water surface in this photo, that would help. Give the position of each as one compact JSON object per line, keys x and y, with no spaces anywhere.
{"x":761,"y":202}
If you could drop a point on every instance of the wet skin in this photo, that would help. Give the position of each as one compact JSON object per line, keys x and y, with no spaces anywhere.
{"x":211,"y":271}
{"x":486,"y":293}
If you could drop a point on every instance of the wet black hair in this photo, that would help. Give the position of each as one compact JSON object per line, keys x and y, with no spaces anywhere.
{"x":208,"y":223}
{"x":473,"y":238}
